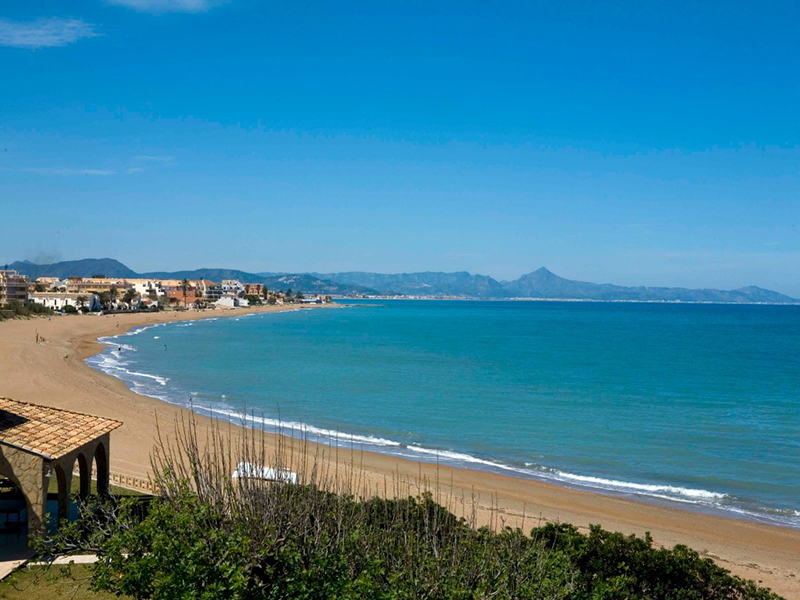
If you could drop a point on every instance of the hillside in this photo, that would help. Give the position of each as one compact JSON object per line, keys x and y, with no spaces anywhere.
{"x":541,"y":283}
{"x":423,"y":284}
{"x":112,"y":268}
{"x":545,"y":284}
{"x":80,"y":268}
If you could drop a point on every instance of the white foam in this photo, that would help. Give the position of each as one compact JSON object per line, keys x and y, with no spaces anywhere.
{"x":669,"y":490}
{"x":303,"y":428}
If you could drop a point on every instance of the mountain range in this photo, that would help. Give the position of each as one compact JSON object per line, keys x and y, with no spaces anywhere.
{"x":540,"y":284}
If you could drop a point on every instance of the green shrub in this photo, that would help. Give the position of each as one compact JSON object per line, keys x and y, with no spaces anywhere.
{"x":612,"y":565}
{"x":212,"y":537}
{"x":324,"y":545}
{"x":18,"y":309}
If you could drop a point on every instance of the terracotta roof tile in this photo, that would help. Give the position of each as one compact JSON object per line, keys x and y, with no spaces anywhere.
{"x":48,"y":432}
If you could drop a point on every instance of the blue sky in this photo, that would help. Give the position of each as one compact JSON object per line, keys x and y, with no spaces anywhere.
{"x":653,"y":143}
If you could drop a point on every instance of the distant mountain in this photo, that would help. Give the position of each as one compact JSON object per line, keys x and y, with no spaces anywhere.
{"x":112,"y":268}
{"x":423,"y":284}
{"x":77,"y":268}
{"x":309,"y":284}
{"x":538,"y":284}
{"x":541,"y":283}
{"x":305,"y":283}
{"x":545,"y":284}
{"x":211,"y":274}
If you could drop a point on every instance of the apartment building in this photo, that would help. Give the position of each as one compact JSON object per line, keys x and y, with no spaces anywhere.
{"x":13,"y":287}
{"x":254,"y":289}
{"x":146,"y":288}
{"x":93,"y":285}
{"x":210,"y":291}
{"x":232,"y":286}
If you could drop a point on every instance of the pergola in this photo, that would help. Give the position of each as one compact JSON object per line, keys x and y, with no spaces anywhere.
{"x":39,"y":442}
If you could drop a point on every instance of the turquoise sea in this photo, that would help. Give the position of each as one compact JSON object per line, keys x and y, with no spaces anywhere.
{"x":686,"y":403}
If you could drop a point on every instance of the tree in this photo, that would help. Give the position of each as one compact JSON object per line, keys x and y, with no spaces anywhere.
{"x":184,"y":287}
{"x":129,"y":297}
{"x":105,"y":299}
{"x":113,"y":294}
{"x":98,"y":276}
{"x":81,"y":300}
{"x":38,"y":287}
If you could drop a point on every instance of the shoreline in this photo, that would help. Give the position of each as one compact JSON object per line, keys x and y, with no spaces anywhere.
{"x":56,"y":374}
{"x":658,"y":494}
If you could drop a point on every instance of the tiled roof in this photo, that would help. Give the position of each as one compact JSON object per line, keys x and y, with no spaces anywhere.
{"x":48,"y":432}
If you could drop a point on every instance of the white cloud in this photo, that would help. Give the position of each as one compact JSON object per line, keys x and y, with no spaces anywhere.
{"x":142,"y":163}
{"x":165,"y":6}
{"x":44,"y":33}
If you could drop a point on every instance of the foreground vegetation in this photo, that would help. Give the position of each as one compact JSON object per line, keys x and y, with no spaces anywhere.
{"x":17,"y":309}
{"x":209,"y":536}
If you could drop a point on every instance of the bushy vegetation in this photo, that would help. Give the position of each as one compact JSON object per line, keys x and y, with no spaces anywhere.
{"x":18,"y":309}
{"x":209,"y":536}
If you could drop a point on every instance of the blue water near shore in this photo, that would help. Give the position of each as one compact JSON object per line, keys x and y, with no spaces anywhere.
{"x":694,"y":404}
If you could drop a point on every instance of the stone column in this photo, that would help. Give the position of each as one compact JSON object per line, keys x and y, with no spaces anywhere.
{"x":85,"y":475}
{"x":103,"y":469}
{"x":27,"y":471}
{"x":64,"y":478}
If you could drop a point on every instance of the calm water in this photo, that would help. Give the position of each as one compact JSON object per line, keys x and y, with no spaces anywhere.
{"x":696,"y":404}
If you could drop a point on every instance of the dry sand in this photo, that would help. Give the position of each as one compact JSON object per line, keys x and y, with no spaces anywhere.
{"x":55,"y":374}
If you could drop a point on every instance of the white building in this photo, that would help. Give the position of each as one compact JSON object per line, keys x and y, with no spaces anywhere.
{"x":60,"y":300}
{"x":230,"y":301}
{"x":147,"y":288}
{"x":209,"y":290}
{"x":233,"y":286}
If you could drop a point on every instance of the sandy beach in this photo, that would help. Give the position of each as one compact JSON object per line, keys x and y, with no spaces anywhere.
{"x":54,"y":373}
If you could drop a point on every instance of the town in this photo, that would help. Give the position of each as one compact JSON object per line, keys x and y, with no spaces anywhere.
{"x":99,"y":293}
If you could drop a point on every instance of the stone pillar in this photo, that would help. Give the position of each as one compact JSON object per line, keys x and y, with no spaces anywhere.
{"x":64,"y":478}
{"x":36,"y":498}
{"x":27,"y":471}
{"x":103,"y":468}
{"x":85,"y":476}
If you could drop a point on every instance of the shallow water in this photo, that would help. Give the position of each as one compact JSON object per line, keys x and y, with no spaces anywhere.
{"x":698,"y":404}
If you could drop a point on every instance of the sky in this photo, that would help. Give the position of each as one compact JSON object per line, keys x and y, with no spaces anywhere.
{"x":636,"y":143}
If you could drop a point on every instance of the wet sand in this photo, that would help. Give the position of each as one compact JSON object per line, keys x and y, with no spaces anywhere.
{"x":54,"y":373}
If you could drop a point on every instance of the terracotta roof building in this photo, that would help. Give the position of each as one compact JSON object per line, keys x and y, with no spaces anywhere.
{"x":38,"y":442}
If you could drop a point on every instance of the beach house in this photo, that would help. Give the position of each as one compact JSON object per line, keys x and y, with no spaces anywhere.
{"x":39,"y":444}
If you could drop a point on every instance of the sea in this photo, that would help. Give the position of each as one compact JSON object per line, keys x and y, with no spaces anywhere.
{"x":693,"y":405}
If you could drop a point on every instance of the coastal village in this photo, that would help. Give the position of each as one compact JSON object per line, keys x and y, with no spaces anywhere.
{"x":100,"y":293}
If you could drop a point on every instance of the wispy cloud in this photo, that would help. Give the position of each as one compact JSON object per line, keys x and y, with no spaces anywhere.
{"x":136,"y":164}
{"x":165,"y":6}
{"x":58,"y":171}
{"x":44,"y":33}
{"x":148,"y":162}
{"x":163,"y":160}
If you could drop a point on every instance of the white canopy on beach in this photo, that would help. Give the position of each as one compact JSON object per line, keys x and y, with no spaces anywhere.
{"x":251,"y":471}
